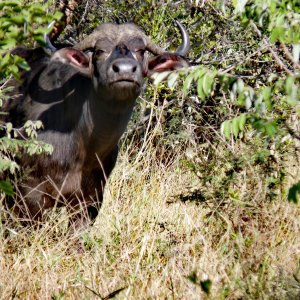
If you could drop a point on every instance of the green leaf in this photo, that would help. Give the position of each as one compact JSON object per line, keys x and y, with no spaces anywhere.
{"x":172,"y":79}
{"x":23,"y":65}
{"x":7,"y":188}
{"x":293,"y":195}
{"x":271,"y":128}
{"x":226,"y":129}
{"x":159,"y":77}
{"x":187,"y":82}
{"x":239,"y":5}
{"x":242,"y":121}
{"x":38,"y":124}
{"x":7,"y":44}
{"x":200,"y":91}
{"x":57,"y":16}
{"x":18,"y":20}
{"x":208,"y":81}
{"x":266,"y":93}
{"x":9,"y":127}
{"x":276,"y":34}
{"x":5,"y":59}
{"x":235,"y":127}
{"x":240,"y":85}
{"x":291,"y":91}
{"x":9,"y":4}
{"x":193,"y":277}
{"x":241,"y":100}
{"x":206,"y":285}
{"x":289,"y":84}
{"x":40,"y":40}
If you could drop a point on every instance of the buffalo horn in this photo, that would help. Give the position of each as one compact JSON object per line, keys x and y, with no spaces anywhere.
{"x":88,"y":42}
{"x":183,"y":48}
{"x":49,"y":45}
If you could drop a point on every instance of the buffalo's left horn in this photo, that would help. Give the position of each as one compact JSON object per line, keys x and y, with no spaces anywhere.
{"x":49,"y":45}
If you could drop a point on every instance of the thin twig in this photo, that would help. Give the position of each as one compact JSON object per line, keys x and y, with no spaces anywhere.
{"x":4,"y":84}
{"x":84,"y":13}
{"x":289,"y":56}
{"x":244,"y":60}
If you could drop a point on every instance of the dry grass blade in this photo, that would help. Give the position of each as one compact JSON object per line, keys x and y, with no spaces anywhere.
{"x":243,"y":245}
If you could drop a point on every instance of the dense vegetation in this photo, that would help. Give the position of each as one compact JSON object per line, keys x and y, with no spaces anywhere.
{"x":198,"y":204}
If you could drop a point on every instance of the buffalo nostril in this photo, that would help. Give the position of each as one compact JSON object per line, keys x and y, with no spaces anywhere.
{"x":116,"y":69}
{"x":134,"y":69}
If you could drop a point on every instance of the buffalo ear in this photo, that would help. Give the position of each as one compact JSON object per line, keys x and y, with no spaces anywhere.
{"x":74,"y":58}
{"x":166,"y":62}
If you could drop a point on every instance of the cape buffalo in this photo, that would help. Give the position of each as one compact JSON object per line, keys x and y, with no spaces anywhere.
{"x":84,"y":96}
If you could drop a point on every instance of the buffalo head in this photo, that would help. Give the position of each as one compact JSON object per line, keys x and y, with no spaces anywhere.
{"x":115,"y":57}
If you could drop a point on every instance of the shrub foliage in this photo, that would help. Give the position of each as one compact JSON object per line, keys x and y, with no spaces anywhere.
{"x":243,"y":82}
{"x":21,"y":24}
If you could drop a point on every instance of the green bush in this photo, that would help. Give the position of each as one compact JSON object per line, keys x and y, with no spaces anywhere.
{"x":244,"y":77}
{"x":21,"y":24}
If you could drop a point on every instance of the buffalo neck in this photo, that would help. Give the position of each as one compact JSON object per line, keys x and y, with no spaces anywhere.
{"x":104,"y":120}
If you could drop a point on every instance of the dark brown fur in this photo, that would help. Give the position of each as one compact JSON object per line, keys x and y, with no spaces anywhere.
{"x":84,"y":96}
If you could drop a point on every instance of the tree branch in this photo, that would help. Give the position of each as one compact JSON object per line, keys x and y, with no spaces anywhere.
{"x":67,"y":7}
{"x":289,"y":56}
{"x":273,"y":52}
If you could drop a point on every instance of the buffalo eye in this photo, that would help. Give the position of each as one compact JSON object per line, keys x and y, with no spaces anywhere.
{"x":98,"y":52}
{"x":141,"y":53}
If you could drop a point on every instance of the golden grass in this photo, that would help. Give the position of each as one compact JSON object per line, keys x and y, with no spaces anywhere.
{"x":157,"y":248}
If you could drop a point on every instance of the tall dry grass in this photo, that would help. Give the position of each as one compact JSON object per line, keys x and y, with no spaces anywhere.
{"x":148,"y":243}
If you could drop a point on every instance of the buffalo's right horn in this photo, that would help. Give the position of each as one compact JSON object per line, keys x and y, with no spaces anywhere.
{"x":183,"y":48}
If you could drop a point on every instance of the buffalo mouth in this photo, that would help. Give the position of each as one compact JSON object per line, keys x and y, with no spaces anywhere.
{"x":125,"y":82}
